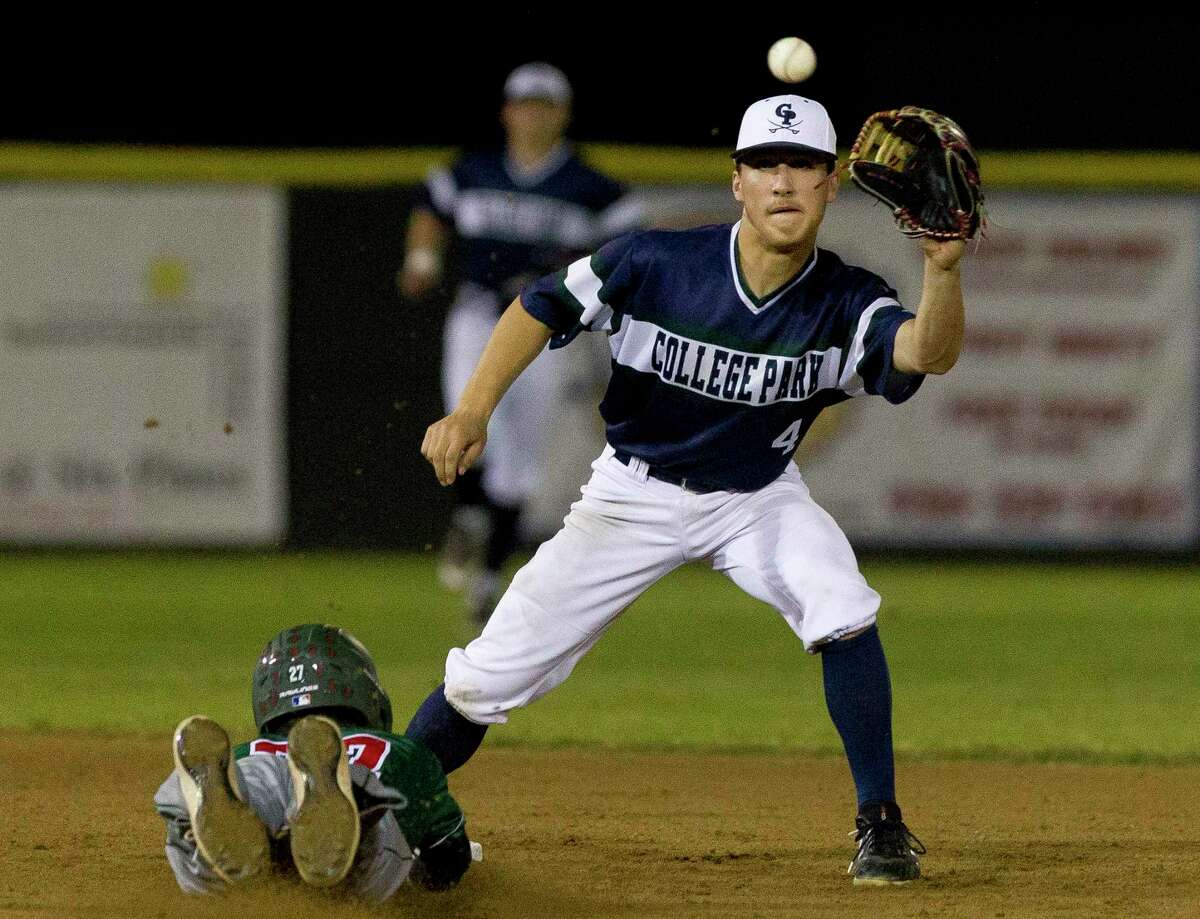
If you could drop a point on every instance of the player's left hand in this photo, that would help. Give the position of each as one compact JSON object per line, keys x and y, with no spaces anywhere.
{"x":453,"y":444}
{"x":943,"y":253}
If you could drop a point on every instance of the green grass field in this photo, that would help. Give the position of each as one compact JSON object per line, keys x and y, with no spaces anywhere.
{"x":1008,"y":661}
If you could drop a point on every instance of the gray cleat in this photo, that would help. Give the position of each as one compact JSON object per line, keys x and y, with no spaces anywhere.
{"x":325,"y":827}
{"x":229,"y":835}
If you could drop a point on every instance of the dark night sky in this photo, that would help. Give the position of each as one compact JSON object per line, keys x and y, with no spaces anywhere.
{"x":1023,"y":81}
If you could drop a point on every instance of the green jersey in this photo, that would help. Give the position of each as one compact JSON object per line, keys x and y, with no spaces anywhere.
{"x":400,"y":763}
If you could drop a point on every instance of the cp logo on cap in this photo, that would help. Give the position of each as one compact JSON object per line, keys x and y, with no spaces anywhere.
{"x":785,"y":113}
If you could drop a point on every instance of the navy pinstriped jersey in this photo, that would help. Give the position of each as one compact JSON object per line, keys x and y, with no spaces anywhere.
{"x":511,"y":227}
{"x":710,"y":382}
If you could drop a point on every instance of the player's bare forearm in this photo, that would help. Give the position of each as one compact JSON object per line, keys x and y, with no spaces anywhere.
{"x":453,"y":444}
{"x":517,"y":339}
{"x":424,"y":247}
{"x":931,"y":343}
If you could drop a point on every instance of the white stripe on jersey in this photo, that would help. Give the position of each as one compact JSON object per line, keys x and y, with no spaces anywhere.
{"x":523,"y":217}
{"x":623,"y":215}
{"x":851,"y":382}
{"x":442,"y":189}
{"x":717,"y":372}
{"x":584,"y":285}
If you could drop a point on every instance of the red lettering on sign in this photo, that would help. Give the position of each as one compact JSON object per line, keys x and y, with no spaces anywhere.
{"x":1141,"y":248}
{"x":1004,"y":246}
{"x":1131,"y":504}
{"x":1029,"y":502}
{"x":994,"y":339}
{"x":985,"y":409}
{"x":1113,"y":413}
{"x":1061,"y":440}
{"x":928,"y":500}
{"x":1129,"y":248}
{"x":1093,"y":343}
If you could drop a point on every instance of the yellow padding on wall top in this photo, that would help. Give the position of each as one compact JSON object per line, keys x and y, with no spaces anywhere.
{"x":1060,"y":169}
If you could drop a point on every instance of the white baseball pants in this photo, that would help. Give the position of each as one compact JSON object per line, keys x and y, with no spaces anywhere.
{"x":626,"y":532}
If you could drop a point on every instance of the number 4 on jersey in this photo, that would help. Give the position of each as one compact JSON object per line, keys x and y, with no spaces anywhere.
{"x":790,"y":436}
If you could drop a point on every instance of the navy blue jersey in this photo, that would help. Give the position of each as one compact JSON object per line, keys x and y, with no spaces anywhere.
{"x":511,"y":228}
{"x":710,"y":382}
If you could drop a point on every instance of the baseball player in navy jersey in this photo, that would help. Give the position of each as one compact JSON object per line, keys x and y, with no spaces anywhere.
{"x":504,"y":219}
{"x":726,"y":341}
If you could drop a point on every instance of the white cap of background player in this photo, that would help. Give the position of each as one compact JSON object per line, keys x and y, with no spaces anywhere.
{"x":787,"y":121}
{"x":537,"y":81}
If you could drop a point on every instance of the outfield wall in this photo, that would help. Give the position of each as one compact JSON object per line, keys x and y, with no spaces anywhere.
{"x":190,"y":361}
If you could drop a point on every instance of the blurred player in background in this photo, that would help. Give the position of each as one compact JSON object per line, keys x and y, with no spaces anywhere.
{"x":497,"y":221}
{"x":325,"y":789}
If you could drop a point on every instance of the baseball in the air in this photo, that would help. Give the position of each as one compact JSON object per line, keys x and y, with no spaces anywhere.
{"x":792,"y":60}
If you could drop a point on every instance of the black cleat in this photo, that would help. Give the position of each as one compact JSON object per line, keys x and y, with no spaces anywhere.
{"x":887,"y":853}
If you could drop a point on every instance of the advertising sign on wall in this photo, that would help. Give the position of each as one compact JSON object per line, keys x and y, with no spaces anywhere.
{"x":141,"y":361}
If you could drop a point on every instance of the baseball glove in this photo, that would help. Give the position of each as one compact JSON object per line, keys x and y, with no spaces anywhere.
{"x":921,"y":165}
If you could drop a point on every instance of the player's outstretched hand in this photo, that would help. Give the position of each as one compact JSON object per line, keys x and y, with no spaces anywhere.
{"x":943,"y":253}
{"x":453,"y":444}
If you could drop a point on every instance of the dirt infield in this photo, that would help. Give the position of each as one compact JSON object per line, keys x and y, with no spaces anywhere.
{"x":571,"y":833}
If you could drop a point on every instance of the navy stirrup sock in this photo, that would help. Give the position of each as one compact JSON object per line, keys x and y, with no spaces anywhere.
{"x":451,"y":737}
{"x":858,"y":694}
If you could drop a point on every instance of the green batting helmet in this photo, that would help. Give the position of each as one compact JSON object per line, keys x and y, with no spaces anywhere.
{"x":317,"y":667}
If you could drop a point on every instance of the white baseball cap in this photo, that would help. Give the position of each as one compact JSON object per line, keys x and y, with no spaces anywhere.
{"x":787,"y":121}
{"x":537,"y":81}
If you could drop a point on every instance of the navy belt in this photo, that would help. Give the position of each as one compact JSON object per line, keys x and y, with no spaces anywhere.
{"x":664,"y":475}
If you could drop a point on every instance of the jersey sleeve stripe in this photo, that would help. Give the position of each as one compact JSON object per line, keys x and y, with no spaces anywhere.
{"x":443,"y":190}
{"x":851,"y":382}
{"x":625,"y":214}
{"x":584,"y":285}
